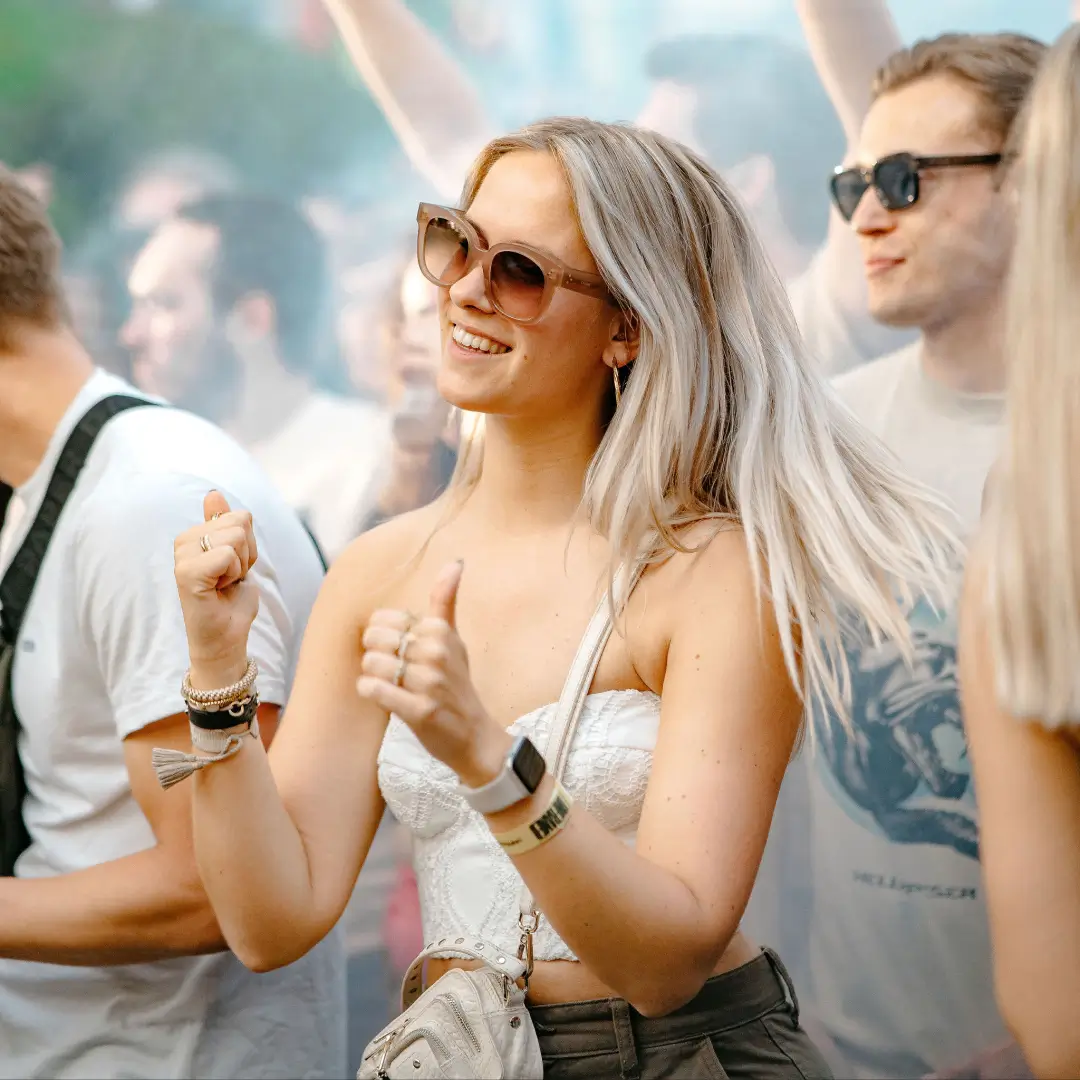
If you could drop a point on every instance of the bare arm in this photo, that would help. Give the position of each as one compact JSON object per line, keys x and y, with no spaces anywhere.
{"x":652,"y":922}
{"x":848,"y":43}
{"x":280,"y":838}
{"x":1028,"y":782}
{"x":146,"y":906}
{"x":426,"y":96}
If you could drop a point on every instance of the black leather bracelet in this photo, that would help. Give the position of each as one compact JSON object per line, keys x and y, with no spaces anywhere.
{"x":240,"y":712}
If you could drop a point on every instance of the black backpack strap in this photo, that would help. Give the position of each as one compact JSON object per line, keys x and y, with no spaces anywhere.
{"x":18,"y":583}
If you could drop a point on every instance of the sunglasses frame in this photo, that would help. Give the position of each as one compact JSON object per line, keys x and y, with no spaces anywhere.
{"x":557,"y":275}
{"x":869,"y":175}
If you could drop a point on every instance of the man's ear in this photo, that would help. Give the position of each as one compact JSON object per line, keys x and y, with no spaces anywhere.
{"x":253,"y":318}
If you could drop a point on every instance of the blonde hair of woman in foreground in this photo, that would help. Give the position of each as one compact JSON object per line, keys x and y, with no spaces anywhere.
{"x":646,"y":396}
{"x":1020,"y":632}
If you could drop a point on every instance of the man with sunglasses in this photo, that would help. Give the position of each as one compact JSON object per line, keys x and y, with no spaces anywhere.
{"x":898,"y":949}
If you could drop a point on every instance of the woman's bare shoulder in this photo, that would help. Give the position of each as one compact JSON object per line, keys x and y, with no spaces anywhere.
{"x":711,"y":549}
{"x":378,"y":562}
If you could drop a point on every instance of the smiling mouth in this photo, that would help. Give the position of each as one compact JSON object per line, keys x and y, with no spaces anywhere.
{"x":477,"y":343}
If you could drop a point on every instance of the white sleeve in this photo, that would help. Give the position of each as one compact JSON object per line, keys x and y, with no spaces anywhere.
{"x":129,"y":609}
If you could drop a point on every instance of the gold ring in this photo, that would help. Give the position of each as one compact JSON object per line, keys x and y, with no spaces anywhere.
{"x":204,"y":542}
{"x":399,"y":675}
{"x":403,"y":645}
{"x":214,"y":517}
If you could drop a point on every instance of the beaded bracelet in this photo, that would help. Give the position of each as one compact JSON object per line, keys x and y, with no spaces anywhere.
{"x":215,"y":700}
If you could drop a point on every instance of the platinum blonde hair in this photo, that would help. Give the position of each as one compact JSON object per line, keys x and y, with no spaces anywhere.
{"x":1032,"y":520}
{"x":724,"y":415}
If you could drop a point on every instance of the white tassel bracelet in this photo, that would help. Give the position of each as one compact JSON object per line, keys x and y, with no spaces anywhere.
{"x":173,"y":766}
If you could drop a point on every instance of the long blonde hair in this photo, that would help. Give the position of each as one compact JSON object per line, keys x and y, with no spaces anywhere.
{"x":724,"y":415}
{"x":1032,"y":523}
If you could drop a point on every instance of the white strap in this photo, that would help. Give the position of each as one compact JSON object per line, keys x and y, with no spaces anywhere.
{"x":474,"y":948}
{"x":571,"y":702}
{"x":577,"y":686}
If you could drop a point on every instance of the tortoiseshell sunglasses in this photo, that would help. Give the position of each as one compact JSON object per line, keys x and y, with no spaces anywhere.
{"x":520,"y":280}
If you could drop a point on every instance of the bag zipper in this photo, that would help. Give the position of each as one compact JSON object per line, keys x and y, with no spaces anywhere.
{"x":463,"y":1020}
{"x":416,"y":1034}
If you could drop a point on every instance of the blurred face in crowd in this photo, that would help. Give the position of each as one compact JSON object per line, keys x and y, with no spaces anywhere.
{"x":493,"y":364}
{"x":152,"y":199}
{"x":420,"y":345}
{"x":178,"y":344}
{"x":948,"y":253}
{"x":420,"y":413}
{"x":358,"y":323}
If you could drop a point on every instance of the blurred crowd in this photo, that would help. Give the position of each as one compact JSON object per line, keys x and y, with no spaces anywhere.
{"x":300,"y":323}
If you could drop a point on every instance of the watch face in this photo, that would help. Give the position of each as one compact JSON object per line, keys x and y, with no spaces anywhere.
{"x":528,"y":764}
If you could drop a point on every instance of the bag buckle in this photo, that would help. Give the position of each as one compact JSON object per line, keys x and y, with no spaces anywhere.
{"x":529,"y":924}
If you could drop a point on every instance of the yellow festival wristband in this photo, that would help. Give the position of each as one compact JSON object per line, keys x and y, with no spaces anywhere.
{"x":547,"y":825}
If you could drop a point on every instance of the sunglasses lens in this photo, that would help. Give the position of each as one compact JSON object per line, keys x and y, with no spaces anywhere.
{"x":517,"y":285}
{"x":848,"y":188}
{"x":897,"y":183}
{"x":445,"y":251}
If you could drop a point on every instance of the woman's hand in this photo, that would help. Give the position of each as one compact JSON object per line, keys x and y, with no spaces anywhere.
{"x":211,"y":565}
{"x":419,"y":670}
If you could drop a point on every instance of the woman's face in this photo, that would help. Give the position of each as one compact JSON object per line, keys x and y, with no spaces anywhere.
{"x":555,"y":364}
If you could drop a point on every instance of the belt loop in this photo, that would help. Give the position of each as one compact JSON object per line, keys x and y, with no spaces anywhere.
{"x":785,"y":979}
{"x":624,"y":1039}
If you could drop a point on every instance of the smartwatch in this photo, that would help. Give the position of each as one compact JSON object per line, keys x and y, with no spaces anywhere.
{"x":521,"y":774}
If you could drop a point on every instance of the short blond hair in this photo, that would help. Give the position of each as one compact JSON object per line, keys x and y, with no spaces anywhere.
{"x":1000,"y":67}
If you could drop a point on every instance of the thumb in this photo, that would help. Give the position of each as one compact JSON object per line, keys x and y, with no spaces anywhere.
{"x":444,"y":593}
{"x":214,"y":503}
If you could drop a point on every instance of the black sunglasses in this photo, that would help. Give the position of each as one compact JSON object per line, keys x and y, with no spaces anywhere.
{"x":895,"y":179}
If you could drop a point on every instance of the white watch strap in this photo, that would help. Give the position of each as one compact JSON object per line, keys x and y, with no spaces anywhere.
{"x":505,"y":790}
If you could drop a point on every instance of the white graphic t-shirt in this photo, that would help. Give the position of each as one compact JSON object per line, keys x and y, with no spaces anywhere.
{"x":898,"y":966}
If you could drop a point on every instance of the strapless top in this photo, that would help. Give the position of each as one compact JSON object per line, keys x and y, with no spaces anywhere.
{"x":467,"y":883}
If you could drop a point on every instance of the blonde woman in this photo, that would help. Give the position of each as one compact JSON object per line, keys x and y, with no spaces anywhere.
{"x":1020,"y":633}
{"x":606,"y":305}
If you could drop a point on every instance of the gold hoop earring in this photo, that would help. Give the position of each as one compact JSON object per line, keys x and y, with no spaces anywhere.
{"x":618,"y":385}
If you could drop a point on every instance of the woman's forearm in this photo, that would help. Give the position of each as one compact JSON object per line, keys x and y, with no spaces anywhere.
{"x":250,"y":855}
{"x":253,"y":863}
{"x":634,"y":924}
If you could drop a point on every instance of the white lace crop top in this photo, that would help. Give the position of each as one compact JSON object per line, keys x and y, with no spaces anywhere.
{"x":467,"y":884}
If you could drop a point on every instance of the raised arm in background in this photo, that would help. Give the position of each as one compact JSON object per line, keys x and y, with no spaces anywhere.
{"x":848,"y":43}
{"x":425,"y":94}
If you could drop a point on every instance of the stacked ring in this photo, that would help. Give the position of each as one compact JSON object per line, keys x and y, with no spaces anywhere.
{"x":403,"y":663}
{"x":204,"y":542}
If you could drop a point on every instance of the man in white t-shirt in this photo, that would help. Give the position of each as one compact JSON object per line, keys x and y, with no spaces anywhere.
{"x":897,"y":953}
{"x":229,"y":319}
{"x":111,"y":962}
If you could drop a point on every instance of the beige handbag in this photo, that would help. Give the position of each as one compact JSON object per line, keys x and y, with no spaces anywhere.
{"x":474,"y":1025}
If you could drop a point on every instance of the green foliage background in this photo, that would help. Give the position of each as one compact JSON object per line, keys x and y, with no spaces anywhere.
{"x":90,"y":91}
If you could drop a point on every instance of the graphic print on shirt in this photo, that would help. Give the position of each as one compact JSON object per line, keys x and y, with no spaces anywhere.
{"x":901,"y":769}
